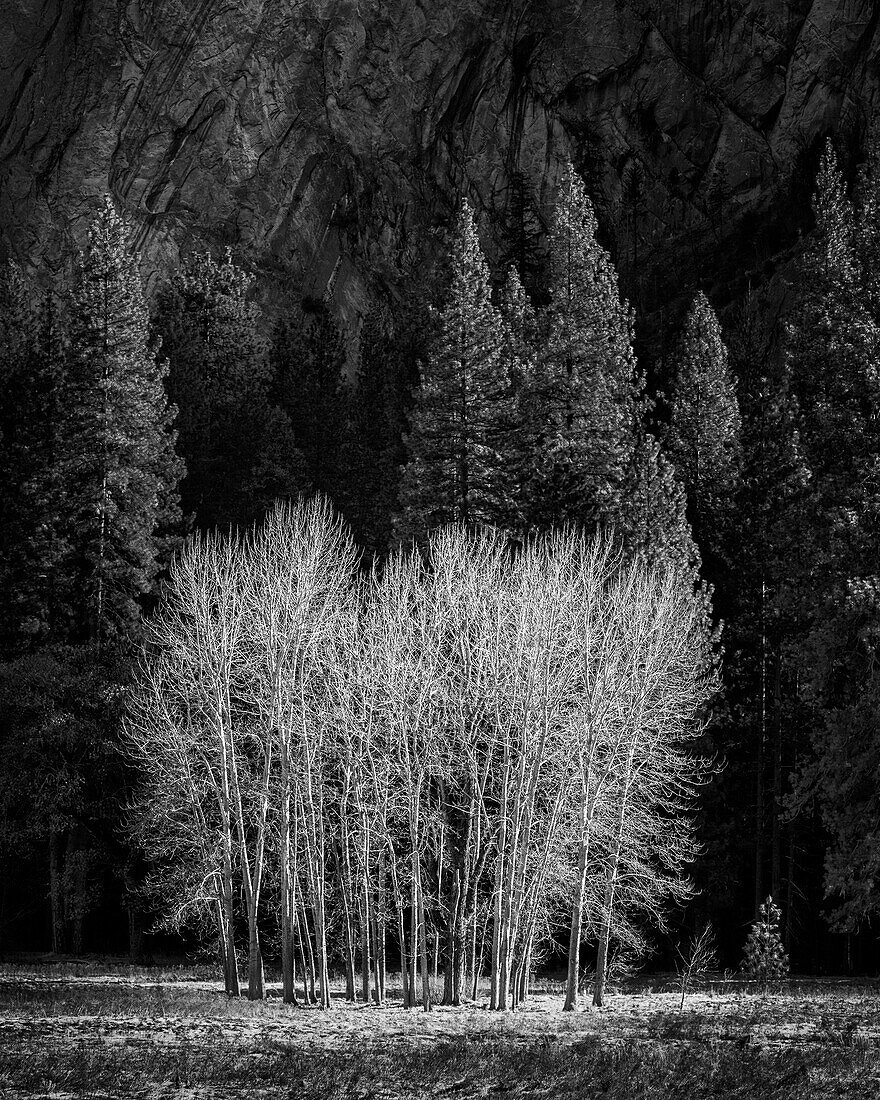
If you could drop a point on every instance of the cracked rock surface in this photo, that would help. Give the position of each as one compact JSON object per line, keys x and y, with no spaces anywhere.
{"x":327,"y":140}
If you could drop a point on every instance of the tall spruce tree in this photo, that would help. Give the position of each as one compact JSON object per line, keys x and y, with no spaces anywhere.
{"x":519,"y":343}
{"x":770,"y":551}
{"x":309,"y":361}
{"x":459,"y":449}
{"x":374,"y":452}
{"x":703,"y":440}
{"x":238,"y":445}
{"x":585,"y":382}
{"x":30,"y":538}
{"x":97,"y":496}
{"x":117,"y":465}
{"x":522,"y":231}
{"x":833,"y":347}
{"x":653,"y":516}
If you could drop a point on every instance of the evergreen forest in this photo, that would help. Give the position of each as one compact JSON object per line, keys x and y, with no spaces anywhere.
{"x":489,"y":477}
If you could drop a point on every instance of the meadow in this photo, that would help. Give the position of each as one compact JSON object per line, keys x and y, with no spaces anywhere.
{"x":100,"y":1030}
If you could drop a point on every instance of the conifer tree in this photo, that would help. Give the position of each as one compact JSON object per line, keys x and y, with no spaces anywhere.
{"x":703,"y":440}
{"x":765,"y":958}
{"x":459,"y":461}
{"x":522,"y":230}
{"x":374,"y":451}
{"x":519,"y":342}
{"x":832,"y":345}
{"x":867,"y":224}
{"x":309,"y":359}
{"x":30,"y":537}
{"x":653,"y":521}
{"x":238,"y":445}
{"x":770,"y":547}
{"x":585,"y":382}
{"x":833,"y":348}
{"x":117,"y":467}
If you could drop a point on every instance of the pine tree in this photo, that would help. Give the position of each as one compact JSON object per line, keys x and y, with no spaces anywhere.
{"x":522,"y":231}
{"x":117,"y":468}
{"x":309,"y":359}
{"x":459,"y":465}
{"x":519,"y":342}
{"x":765,"y":959}
{"x":374,"y":452}
{"x":585,"y":382}
{"x":238,"y":445}
{"x":832,"y":346}
{"x":95,"y":497}
{"x":833,"y":352}
{"x":30,"y":536}
{"x":653,"y":520}
{"x":770,"y":549}
{"x":867,"y":224}
{"x":703,"y":440}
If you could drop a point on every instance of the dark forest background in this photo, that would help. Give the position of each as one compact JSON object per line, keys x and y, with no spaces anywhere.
{"x":743,"y":435}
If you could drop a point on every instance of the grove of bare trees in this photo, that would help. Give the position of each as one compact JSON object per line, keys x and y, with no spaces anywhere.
{"x":454,"y":761}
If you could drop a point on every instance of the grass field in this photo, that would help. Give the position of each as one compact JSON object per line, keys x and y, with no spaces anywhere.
{"x":111,"y":1031}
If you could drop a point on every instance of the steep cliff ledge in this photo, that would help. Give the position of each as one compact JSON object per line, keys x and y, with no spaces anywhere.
{"x":329,"y":137}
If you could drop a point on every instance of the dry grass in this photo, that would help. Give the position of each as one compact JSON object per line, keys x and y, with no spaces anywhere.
{"x":105,"y":1031}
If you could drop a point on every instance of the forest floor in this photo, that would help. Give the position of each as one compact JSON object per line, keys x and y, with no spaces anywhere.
{"x":102,"y":1031}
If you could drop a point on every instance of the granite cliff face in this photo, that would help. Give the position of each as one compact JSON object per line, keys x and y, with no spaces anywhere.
{"x":327,"y":139}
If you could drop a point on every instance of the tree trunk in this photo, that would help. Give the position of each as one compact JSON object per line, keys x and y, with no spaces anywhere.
{"x":608,"y":907}
{"x":379,"y":936}
{"x":366,"y":953}
{"x":472,"y":956}
{"x":776,"y":834}
{"x":759,"y":778}
{"x":401,"y":935}
{"x":233,"y":987}
{"x":136,"y":931}
{"x":305,"y":940}
{"x":288,"y":898}
{"x":256,"y":973}
{"x":423,"y":937}
{"x":56,"y":893}
{"x":572,"y":983}
{"x":347,"y":917}
{"x":604,"y":940}
{"x":288,"y":956}
{"x":454,"y":945}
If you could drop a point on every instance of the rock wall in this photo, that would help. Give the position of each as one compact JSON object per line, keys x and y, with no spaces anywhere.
{"x":328,"y":139}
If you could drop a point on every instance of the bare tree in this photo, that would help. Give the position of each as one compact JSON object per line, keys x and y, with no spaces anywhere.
{"x":666,"y":683}
{"x":300,"y":613}
{"x":695,"y":959}
{"x":474,"y":743}
{"x":180,"y":730}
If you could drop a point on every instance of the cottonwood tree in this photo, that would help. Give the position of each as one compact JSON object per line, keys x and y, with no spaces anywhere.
{"x":300,"y":613}
{"x":637,"y":773}
{"x":535,"y":694}
{"x":695,"y":959}
{"x":413,"y":750}
{"x":184,"y":730}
